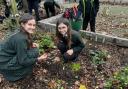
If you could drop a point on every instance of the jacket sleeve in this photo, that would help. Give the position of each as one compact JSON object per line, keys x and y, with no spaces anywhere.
{"x":56,"y":4}
{"x":79,"y":42}
{"x":80,"y":9}
{"x":80,"y":6}
{"x":25,"y":57}
{"x":97,"y":5}
{"x":78,"y":15}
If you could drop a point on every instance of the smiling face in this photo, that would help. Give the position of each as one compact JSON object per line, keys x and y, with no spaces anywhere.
{"x":29,"y":26}
{"x":62,"y":28}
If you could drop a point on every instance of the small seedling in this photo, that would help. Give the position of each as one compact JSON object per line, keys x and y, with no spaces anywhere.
{"x":75,"y":66}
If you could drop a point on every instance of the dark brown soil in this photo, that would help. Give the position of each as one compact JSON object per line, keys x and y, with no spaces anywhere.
{"x":50,"y":75}
{"x":47,"y":74}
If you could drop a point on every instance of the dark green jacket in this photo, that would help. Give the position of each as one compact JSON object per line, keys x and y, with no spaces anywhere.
{"x":76,"y":41}
{"x":16,"y":61}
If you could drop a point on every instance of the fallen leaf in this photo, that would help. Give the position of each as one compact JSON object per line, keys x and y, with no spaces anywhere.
{"x":82,"y":86}
{"x":52,"y":84}
{"x":57,"y":59}
{"x":0,"y":79}
{"x":77,"y":83}
{"x":45,"y":71}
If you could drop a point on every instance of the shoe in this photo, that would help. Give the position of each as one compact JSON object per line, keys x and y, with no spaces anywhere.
{"x":65,"y":61}
{"x":76,"y":59}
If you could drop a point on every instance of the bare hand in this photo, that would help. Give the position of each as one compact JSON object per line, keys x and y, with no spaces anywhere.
{"x":42,"y":57}
{"x":70,"y":52}
{"x":35,"y":45}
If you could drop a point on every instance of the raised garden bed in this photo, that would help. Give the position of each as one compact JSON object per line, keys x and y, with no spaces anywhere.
{"x":97,"y":65}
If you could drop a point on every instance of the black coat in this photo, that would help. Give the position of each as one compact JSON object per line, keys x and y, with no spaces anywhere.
{"x":77,"y":43}
{"x":88,"y":8}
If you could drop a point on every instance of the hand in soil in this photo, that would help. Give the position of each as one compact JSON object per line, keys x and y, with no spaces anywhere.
{"x":42,"y":57}
{"x":35,"y":45}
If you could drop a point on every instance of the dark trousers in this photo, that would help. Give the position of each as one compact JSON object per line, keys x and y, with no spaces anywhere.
{"x":92,"y":22}
{"x":49,"y":7}
{"x":7,"y":11}
{"x":34,"y":5}
{"x":63,"y":49}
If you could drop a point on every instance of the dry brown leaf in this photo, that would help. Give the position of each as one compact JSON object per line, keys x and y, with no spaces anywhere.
{"x":45,"y":71}
{"x":77,"y":83}
{"x":52,"y":84}
{"x":0,"y":79}
{"x":57,"y":59}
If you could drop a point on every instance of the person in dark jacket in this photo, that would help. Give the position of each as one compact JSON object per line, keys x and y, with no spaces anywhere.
{"x":7,"y":8}
{"x":2,"y":17}
{"x":34,"y":4}
{"x":49,"y":6}
{"x":69,"y":41}
{"x":19,"y":54}
{"x":89,"y":9}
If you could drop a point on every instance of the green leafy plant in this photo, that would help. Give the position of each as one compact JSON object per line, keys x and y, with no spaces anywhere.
{"x":14,"y":9}
{"x":75,"y":66}
{"x":45,"y":43}
{"x":60,"y":84}
{"x":1,"y":2}
{"x":119,"y":80}
{"x":10,"y":23}
{"x":98,"y":57}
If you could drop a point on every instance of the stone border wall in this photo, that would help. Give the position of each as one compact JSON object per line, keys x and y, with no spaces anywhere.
{"x":120,"y":2}
{"x":102,"y":38}
{"x":98,"y":37}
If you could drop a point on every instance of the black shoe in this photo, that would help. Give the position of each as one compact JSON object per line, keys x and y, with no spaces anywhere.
{"x":65,"y":61}
{"x":76,"y":59}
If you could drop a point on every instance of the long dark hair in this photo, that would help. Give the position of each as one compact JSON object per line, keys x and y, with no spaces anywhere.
{"x":23,"y":20}
{"x":59,"y":36}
